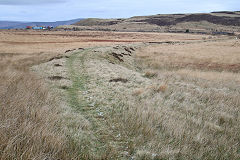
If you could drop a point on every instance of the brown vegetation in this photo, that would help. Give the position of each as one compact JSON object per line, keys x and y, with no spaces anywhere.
{"x":214,"y":56}
{"x":30,"y":123}
{"x":29,"y":115}
{"x":198,"y":106}
{"x":158,"y":103}
{"x":31,"y":119}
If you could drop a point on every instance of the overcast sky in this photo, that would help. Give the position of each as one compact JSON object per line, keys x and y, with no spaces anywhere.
{"x":54,"y":10}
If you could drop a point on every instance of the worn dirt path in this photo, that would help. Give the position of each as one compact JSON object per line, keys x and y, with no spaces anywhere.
{"x":98,"y":83}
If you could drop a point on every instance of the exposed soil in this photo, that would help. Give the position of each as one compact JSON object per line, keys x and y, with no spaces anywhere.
{"x":117,"y":56}
{"x":57,"y":65}
{"x":119,"y":80}
{"x":64,"y":87}
{"x":53,"y":78}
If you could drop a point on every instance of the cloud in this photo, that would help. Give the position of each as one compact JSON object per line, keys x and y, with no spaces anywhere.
{"x":29,"y":2}
{"x":53,"y":10}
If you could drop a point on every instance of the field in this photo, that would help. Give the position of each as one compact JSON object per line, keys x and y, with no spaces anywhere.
{"x":118,"y":95}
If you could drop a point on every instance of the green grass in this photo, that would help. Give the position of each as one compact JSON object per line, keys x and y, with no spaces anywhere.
{"x":107,"y":144}
{"x":86,"y":143}
{"x":78,"y":82}
{"x":95,"y":142}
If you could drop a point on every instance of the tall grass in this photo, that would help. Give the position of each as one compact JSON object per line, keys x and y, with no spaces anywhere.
{"x":30,"y":120}
{"x":163,"y":114}
{"x":29,"y":127}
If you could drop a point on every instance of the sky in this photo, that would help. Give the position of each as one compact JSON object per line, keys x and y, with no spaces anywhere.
{"x":56,"y":10}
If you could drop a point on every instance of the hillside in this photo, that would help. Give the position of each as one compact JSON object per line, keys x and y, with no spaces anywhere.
{"x":201,"y":22}
{"x":21,"y":25}
{"x":8,"y":24}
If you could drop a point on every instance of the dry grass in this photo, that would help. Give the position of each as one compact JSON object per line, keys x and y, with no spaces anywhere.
{"x":175,"y":114}
{"x":216,"y":56}
{"x":138,"y":92}
{"x":33,"y":126}
{"x":177,"y":110}
{"x":31,"y":119}
{"x":197,"y":115}
{"x":150,"y":74}
{"x":30,"y":122}
{"x":171,"y":116}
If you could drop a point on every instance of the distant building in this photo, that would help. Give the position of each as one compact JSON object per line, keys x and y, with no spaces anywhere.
{"x":50,"y":27}
{"x":37,"y":28}
{"x":29,"y":27}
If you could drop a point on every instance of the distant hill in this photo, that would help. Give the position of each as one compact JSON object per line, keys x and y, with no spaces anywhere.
{"x":222,"y":18}
{"x":199,"y":22}
{"x":6,"y":24}
{"x":20,"y":25}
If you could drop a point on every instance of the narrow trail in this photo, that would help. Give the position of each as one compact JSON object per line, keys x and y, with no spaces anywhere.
{"x":96,"y":97}
{"x":96,"y":86}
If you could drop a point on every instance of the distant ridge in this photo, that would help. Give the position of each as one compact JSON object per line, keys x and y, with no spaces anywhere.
{"x":21,"y":25}
{"x":226,"y":12}
{"x":221,"y":17}
{"x":218,"y":22}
